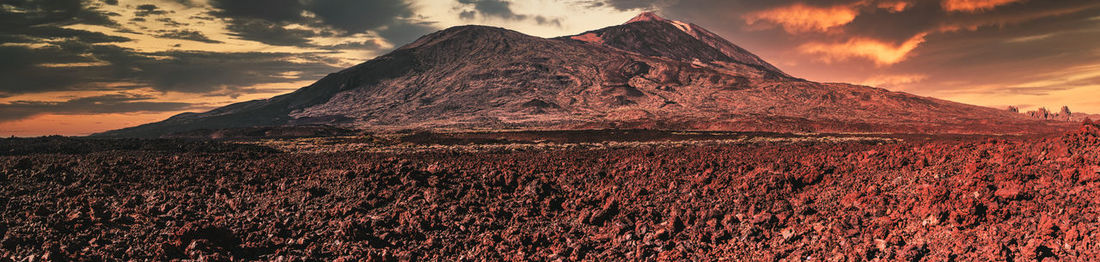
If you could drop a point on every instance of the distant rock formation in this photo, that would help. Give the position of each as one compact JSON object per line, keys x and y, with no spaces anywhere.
{"x":1062,"y":115}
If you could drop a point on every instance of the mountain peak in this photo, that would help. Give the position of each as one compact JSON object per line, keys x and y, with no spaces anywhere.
{"x":653,"y":17}
{"x":652,"y":35}
{"x":647,"y":16}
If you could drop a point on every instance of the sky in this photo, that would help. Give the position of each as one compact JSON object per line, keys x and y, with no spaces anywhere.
{"x":77,"y":67}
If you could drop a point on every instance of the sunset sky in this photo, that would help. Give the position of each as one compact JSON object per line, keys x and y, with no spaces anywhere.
{"x":74,"y":67}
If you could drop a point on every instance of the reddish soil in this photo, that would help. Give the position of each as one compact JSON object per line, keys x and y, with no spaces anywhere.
{"x":936,"y":200}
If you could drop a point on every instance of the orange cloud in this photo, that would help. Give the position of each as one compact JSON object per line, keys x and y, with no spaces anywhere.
{"x":974,"y":5}
{"x":803,"y":18}
{"x":894,"y":7}
{"x":882,"y":53}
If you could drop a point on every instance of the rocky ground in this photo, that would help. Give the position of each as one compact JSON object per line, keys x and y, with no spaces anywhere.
{"x":975,"y":199}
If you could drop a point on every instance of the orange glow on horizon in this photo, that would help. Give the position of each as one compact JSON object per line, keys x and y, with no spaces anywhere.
{"x":77,"y":125}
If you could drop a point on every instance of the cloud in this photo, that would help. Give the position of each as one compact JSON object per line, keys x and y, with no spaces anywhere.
{"x":494,"y":8}
{"x":358,"y":16}
{"x":39,"y":12}
{"x":404,"y":32}
{"x":34,"y":34}
{"x":270,"y":10}
{"x":1015,"y":14}
{"x":103,"y":104}
{"x":148,"y":9}
{"x":31,"y":21}
{"x":503,"y":10}
{"x":187,"y":35}
{"x":1030,"y":38}
{"x":882,"y":53}
{"x":103,"y":67}
{"x":196,"y":72}
{"x":629,"y":4}
{"x":294,"y":22}
{"x":974,"y":5}
{"x":894,"y":6}
{"x":186,"y":3}
{"x":798,"y":18}
{"x":269,"y":32}
{"x":1067,"y":78}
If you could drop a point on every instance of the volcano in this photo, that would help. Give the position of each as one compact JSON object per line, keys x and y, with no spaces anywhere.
{"x":649,"y":73}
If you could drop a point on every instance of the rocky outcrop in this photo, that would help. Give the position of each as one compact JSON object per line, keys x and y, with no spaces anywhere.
{"x":1062,"y":115}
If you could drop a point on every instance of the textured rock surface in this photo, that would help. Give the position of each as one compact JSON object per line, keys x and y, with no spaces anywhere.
{"x":649,"y":73}
{"x":939,"y":200}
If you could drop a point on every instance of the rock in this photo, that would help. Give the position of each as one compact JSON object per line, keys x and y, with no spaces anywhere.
{"x":210,"y":235}
{"x":1088,"y":174}
{"x":1047,"y":226}
{"x":1009,"y":191}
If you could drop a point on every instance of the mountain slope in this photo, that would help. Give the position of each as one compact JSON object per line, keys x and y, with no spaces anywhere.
{"x":648,"y":73}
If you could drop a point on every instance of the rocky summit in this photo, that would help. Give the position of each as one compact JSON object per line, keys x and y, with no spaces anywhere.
{"x":649,"y":73}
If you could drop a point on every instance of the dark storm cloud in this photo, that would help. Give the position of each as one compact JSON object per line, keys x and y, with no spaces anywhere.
{"x":265,"y":21}
{"x":501,"y":9}
{"x":104,"y":104}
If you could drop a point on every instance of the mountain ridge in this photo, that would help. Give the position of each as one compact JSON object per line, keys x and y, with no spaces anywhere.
{"x":650,"y":72}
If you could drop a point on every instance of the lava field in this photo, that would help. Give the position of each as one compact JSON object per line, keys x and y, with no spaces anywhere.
{"x":1003,"y":198}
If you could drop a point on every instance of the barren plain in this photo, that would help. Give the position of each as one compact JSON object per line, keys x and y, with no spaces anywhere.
{"x":656,"y":196}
